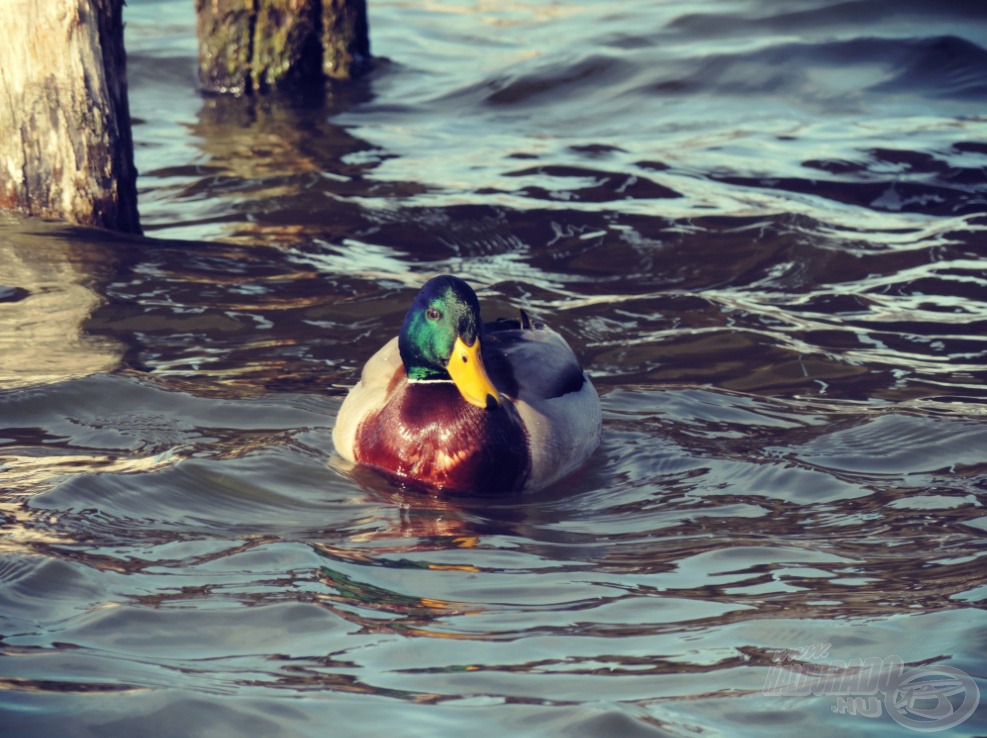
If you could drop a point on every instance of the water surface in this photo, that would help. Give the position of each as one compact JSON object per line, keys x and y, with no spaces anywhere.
{"x":762,"y":229}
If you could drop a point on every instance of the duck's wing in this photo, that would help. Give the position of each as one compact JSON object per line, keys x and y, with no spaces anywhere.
{"x":558,"y":405}
{"x":532,"y":364}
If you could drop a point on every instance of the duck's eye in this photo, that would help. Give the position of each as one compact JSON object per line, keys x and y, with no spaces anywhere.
{"x":432,"y":313}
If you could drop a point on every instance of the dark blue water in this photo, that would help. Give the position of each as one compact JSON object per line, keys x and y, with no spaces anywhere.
{"x":761,"y":227}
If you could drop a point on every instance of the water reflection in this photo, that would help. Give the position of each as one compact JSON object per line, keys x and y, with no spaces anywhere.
{"x":270,"y":169}
{"x":48,"y":290}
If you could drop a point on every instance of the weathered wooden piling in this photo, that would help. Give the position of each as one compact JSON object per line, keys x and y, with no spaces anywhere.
{"x":65,"y":145}
{"x":248,"y":46}
{"x":345,"y":38}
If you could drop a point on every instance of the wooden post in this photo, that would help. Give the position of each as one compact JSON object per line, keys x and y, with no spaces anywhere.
{"x":248,"y":46}
{"x":65,"y":145}
{"x":345,"y":38}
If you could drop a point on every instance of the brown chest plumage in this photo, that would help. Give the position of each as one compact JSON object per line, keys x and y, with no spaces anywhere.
{"x":427,"y":434}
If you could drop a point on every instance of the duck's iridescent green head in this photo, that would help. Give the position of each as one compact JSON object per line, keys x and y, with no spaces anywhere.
{"x":440,"y":339}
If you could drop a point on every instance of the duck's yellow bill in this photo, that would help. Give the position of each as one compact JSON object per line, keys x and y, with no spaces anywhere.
{"x":467,"y":371}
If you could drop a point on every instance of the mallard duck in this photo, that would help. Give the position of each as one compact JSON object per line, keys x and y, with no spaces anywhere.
{"x":453,"y":404}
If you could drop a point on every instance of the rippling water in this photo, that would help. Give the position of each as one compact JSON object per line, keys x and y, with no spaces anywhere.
{"x":762,"y":227}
